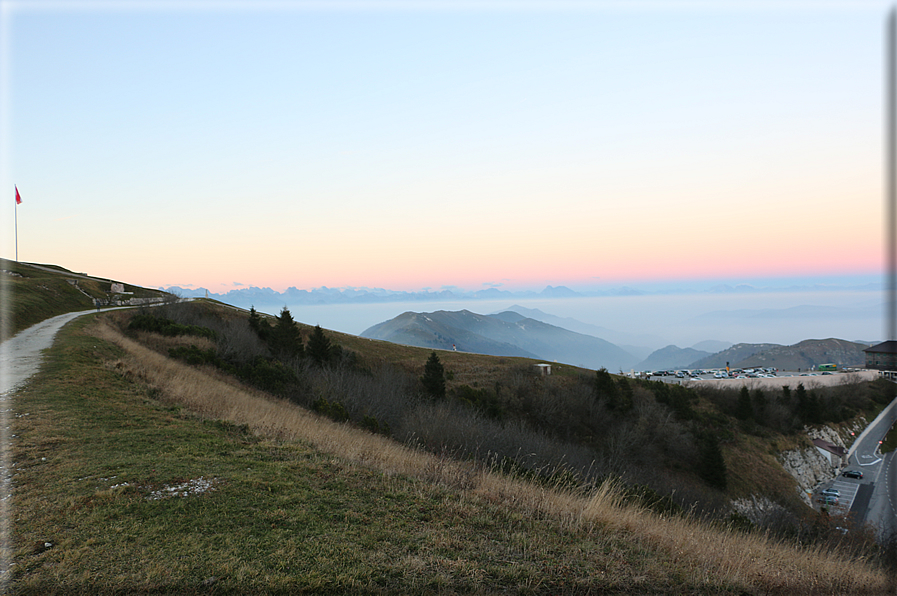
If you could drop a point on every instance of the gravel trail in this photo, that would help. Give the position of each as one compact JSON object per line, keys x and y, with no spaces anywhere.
{"x":22,"y":354}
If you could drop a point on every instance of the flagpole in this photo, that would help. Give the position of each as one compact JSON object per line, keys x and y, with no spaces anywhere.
{"x":17,"y":230}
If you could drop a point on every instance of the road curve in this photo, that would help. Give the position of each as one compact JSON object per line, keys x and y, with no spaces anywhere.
{"x":22,"y":354}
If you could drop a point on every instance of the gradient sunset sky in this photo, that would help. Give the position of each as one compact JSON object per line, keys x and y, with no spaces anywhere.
{"x":410,"y":145}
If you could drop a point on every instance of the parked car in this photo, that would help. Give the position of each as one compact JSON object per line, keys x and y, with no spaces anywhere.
{"x":852,"y":473}
{"x":827,"y":499}
{"x":831,"y":492}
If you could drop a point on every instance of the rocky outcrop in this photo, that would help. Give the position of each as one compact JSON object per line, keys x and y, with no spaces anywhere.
{"x":808,"y":466}
{"x":760,"y":511}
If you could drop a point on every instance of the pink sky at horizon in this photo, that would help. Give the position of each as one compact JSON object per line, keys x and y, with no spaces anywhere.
{"x":405,"y":149}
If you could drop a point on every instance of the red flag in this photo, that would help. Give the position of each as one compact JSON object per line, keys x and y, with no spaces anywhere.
{"x":18,"y":196}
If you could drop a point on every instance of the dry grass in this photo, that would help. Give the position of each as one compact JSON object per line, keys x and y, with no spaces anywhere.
{"x":700,"y":554}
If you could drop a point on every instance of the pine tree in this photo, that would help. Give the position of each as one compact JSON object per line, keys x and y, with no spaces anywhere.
{"x":711,"y":464}
{"x":319,"y":347}
{"x":803,"y":403}
{"x":434,"y":377}
{"x":258,"y":324}
{"x":743,"y":409}
{"x":758,"y":398}
{"x":786,"y":395}
{"x":285,"y":338}
{"x":606,"y":388}
{"x":624,"y":398}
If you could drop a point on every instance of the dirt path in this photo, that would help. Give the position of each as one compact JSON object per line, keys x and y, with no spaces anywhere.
{"x":21,"y":355}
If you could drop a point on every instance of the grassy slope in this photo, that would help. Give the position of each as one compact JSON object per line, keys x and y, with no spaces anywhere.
{"x":97,"y":431}
{"x":282,"y":516}
{"x":92,"y":447}
{"x":35,"y":294}
{"x":753,"y":469}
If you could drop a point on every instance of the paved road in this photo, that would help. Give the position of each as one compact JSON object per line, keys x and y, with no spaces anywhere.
{"x":876,"y":493}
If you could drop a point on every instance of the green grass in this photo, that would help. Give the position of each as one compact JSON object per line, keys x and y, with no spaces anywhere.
{"x":33,"y":295}
{"x":92,"y":448}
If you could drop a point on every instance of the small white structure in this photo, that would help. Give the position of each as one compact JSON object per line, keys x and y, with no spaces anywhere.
{"x":544,"y":369}
{"x":118,"y":288}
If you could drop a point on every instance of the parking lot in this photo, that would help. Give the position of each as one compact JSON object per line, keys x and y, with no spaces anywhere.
{"x":777,"y":380}
{"x":847,"y":489}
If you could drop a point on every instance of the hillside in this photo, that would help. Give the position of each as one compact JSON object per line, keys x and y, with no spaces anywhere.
{"x":442,"y":330}
{"x":633,"y":343}
{"x":503,"y":334}
{"x":801,"y":356}
{"x":731,"y":356}
{"x":258,"y":496}
{"x":671,"y":357}
{"x":498,"y":487}
{"x":32,"y":293}
{"x":810,"y":353}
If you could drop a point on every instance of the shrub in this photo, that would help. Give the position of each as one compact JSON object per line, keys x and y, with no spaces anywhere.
{"x":164,"y":326}
{"x":333,"y":410}
{"x":482,"y":399}
{"x":268,"y":375}
{"x":195,"y":356}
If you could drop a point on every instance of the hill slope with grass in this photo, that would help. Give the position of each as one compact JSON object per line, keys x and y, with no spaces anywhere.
{"x":139,"y":473}
{"x":32,"y":293}
{"x":238,"y":455}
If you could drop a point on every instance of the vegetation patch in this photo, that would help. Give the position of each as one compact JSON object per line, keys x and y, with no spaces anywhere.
{"x":298,"y":502}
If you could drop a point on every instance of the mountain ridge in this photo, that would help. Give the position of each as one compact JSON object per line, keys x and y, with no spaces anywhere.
{"x":493,"y":334}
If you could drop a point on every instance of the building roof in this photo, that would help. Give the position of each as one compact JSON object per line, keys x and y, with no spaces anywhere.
{"x":886,"y":347}
{"x":830,"y":447}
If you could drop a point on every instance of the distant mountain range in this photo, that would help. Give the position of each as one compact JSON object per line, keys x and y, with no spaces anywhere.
{"x":253,"y":296}
{"x":249,"y":296}
{"x":510,"y":333}
{"x":503,"y":334}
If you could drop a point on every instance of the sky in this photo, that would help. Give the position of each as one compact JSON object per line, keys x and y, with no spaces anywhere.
{"x":411,"y":145}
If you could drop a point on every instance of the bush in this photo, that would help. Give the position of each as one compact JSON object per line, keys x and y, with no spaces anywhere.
{"x":482,"y":399}
{"x":268,"y":375}
{"x":163,"y":326}
{"x":335,"y":410}
{"x":195,"y":356}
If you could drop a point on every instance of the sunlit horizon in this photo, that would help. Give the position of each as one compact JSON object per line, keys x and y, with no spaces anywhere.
{"x":405,"y":147}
